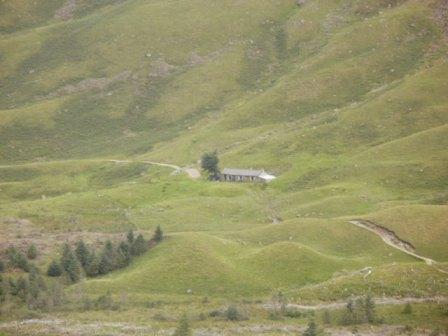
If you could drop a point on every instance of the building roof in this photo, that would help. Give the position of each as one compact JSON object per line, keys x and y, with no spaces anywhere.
{"x":242,"y":172}
{"x":267,"y":177}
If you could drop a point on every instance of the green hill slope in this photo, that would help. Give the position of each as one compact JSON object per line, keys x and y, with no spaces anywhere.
{"x":346,"y":101}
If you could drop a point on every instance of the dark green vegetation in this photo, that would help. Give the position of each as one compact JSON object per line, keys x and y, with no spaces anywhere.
{"x":209,"y":163}
{"x":345,"y":101}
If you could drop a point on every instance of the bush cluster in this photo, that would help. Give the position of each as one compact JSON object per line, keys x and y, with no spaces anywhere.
{"x":32,"y":290}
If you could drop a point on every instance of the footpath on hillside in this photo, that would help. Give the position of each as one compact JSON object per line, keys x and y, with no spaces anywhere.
{"x":191,"y":172}
{"x":391,"y":239}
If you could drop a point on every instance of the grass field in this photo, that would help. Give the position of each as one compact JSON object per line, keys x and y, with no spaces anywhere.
{"x":345,"y":101}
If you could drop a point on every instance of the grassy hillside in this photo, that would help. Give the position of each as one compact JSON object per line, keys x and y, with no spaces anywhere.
{"x":346,"y":101}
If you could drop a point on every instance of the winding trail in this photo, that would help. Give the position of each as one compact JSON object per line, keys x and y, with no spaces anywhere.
{"x":191,"y":172}
{"x":391,"y":239}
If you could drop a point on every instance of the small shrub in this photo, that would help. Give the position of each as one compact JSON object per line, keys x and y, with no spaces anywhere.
{"x":105,"y":302}
{"x":31,"y":253}
{"x":232,"y":313}
{"x":158,"y":234}
{"x":154,"y":304}
{"x":311,"y":330}
{"x":407,"y":309}
{"x":17,"y":259}
{"x":293,"y":313}
{"x":160,"y":317}
{"x":54,"y":269}
{"x":215,"y":313}
{"x":183,"y":328}
{"x":326,"y":318}
{"x":407,"y":329}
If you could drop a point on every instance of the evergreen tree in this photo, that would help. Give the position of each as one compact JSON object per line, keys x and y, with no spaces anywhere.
{"x":82,"y":253}
{"x":124,"y":256}
{"x":183,"y":328}
{"x":209,"y":163}
{"x":31,"y":253}
{"x":311,"y":329}
{"x":108,"y":259}
{"x":54,"y":269}
{"x":22,"y":262}
{"x":130,"y":236}
{"x":139,"y":246}
{"x":92,"y":269}
{"x":158,"y":234}
{"x":70,"y":264}
{"x":17,"y":259}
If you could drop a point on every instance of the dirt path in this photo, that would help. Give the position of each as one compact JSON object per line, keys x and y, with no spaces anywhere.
{"x":391,"y":239}
{"x":378,"y":301}
{"x":191,"y":172}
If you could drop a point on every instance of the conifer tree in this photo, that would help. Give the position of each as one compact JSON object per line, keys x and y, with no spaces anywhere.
{"x":54,"y":269}
{"x":158,"y":234}
{"x":92,"y":269}
{"x":17,"y":259}
{"x":124,"y":256}
{"x":70,"y":264}
{"x":82,"y":253}
{"x":139,"y":246}
{"x":108,"y":259}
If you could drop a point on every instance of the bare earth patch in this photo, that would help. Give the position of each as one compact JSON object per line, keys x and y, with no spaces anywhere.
{"x":21,"y":233}
{"x":67,"y":11}
{"x":91,"y":84}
